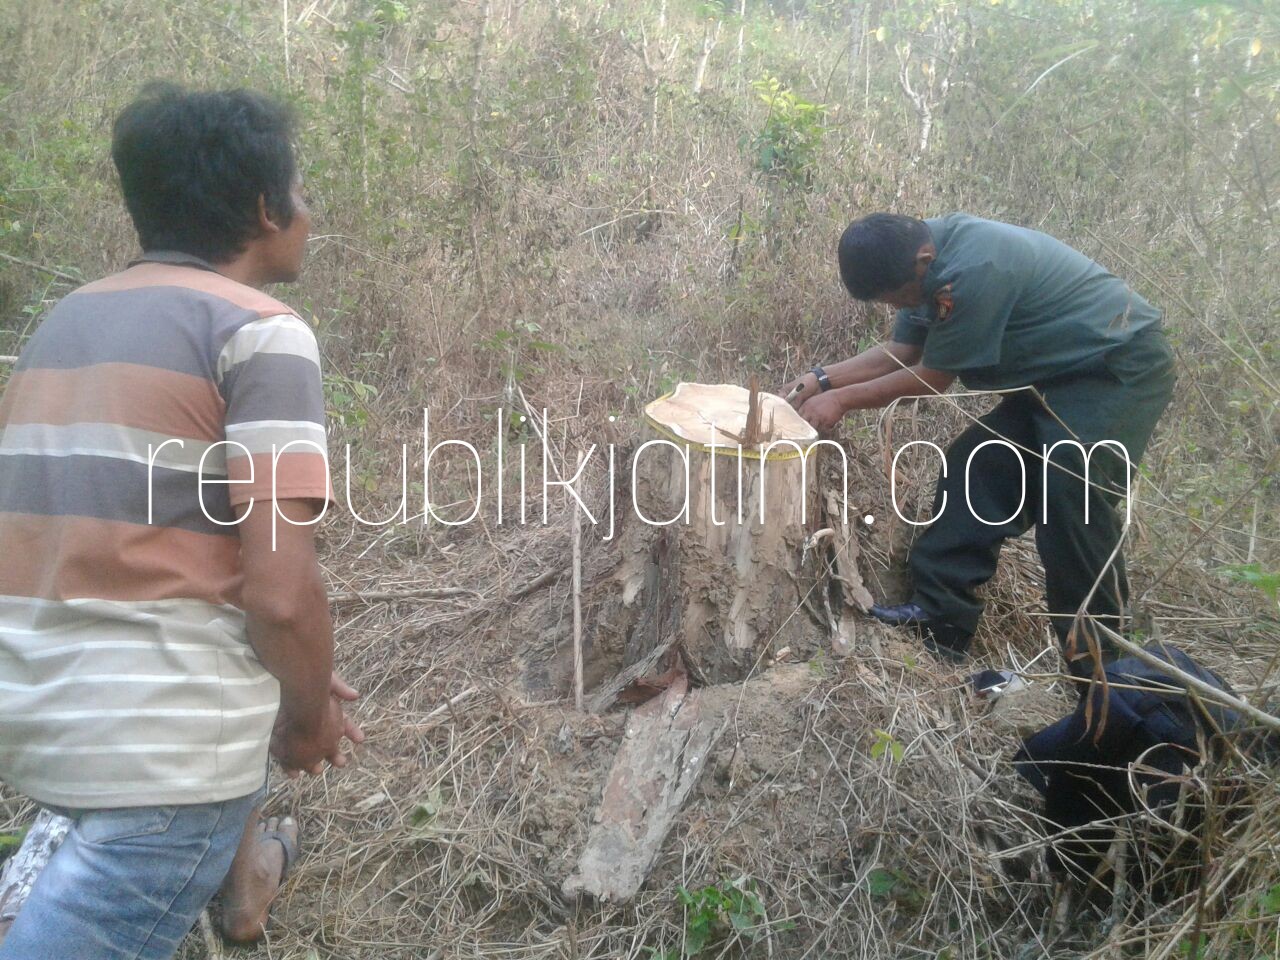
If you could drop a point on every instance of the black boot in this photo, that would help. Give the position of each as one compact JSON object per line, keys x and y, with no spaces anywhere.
{"x":901,"y":615}
{"x":944,"y":640}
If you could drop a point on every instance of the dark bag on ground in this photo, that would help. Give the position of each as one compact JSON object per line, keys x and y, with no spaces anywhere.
{"x":1081,"y":764}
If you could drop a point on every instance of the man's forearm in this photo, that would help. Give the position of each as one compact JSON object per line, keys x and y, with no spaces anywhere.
{"x":293,"y":638}
{"x":914,"y":381}
{"x":871,"y":364}
{"x":286,"y":605}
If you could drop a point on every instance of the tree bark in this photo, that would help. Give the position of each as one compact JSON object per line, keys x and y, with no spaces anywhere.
{"x":21,"y":870}
{"x":665,"y":750}
{"x":715,"y":557}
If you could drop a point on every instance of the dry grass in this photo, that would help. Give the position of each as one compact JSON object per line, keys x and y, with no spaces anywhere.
{"x":466,"y":808}
{"x":478,"y":168}
{"x":452,"y":834}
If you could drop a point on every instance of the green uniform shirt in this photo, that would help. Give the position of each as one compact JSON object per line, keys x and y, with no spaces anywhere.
{"x":1006,"y":307}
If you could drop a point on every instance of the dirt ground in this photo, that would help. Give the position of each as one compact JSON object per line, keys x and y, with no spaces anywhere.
{"x":832,"y":797}
{"x":863,"y":806}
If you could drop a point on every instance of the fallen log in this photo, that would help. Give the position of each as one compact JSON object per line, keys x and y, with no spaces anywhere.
{"x":21,"y":870}
{"x":664,"y":751}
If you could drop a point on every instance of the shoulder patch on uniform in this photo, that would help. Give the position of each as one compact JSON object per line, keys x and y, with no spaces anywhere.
{"x":943,"y":303}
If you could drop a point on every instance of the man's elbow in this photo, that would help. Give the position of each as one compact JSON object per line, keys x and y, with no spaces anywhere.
{"x":907,"y":353}
{"x":279,"y":607}
{"x":936,"y":379}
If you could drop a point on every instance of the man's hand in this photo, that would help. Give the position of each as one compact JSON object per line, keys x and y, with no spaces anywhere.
{"x":305,"y":748}
{"x":343,"y":692}
{"x":823,"y":410}
{"x":805,"y":387}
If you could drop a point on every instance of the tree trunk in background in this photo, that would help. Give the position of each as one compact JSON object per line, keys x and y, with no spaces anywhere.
{"x":742,"y":31}
{"x":709,"y":41}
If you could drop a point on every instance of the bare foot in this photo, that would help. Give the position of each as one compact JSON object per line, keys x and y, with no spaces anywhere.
{"x":255,"y":876}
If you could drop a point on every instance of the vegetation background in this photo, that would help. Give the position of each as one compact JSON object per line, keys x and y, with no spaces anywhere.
{"x":582,"y":203}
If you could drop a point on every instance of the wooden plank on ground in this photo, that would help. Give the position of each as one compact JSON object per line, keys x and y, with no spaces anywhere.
{"x":664,"y":751}
{"x":607,"y":694}
{"x":856,"y":595}
{"x":21,"y":869}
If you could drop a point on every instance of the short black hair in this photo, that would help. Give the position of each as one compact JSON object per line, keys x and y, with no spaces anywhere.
{"x":192,"y":165}
{"x":878,"y":253}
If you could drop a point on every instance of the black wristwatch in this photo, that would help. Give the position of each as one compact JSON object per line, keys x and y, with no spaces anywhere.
{"x":824,"y":382}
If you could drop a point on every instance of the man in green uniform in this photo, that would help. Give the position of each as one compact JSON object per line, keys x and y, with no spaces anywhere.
{"x":1001,"y":308}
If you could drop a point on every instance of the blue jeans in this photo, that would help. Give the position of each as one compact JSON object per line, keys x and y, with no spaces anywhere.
{"x":128,"y":883}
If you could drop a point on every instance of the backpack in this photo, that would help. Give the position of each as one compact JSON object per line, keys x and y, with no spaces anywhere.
{"x":1083,"y":765}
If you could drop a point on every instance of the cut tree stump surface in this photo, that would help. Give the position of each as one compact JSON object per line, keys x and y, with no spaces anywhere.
{"x":665,"y":749}
{"x":706,"y":413}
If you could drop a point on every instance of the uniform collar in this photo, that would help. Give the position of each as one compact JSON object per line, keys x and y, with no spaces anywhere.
{"x":175,"y":257}
{"x":938,"y":232}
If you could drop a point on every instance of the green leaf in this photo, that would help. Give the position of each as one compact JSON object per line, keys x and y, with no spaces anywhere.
{"x":9,"y":842}
{"x":885,"y":742}
{"x":697,"y":933}
{"x":1252,"y":573}
{"x":423,"y":815}
{"x":881,"y":882}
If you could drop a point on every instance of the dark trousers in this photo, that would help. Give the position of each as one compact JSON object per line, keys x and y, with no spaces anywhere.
{"x":1119,"y":399}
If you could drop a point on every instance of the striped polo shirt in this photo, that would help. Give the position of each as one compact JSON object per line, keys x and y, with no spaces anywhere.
{"x":142,"y":409}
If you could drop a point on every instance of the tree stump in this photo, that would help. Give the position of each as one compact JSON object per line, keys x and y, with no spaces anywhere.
{"x":712,"y":555}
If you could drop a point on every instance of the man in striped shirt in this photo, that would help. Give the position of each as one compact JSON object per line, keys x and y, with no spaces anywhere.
{"x":163,"y":620}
